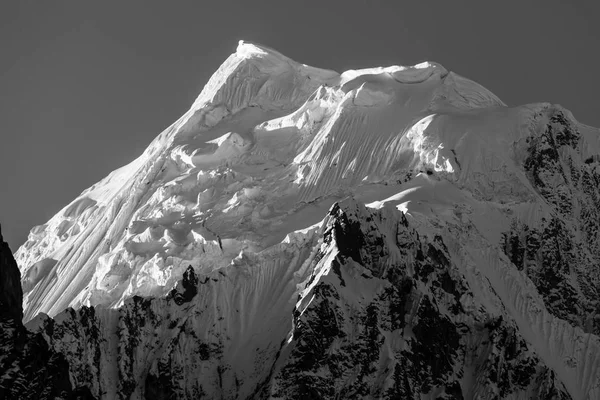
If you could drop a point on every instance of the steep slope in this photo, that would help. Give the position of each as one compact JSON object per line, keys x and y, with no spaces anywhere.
{"x":390,"y":232}
{"x":261,"y":121}
{"x":29,"y":369}
{"x":390,"y":315}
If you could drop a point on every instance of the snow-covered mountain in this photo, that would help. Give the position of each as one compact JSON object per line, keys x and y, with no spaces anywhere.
{"x":385,"y":233}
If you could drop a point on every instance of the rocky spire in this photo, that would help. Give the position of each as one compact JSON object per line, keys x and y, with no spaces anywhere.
{"x":11,"y":294}
{"x":29,"y":368}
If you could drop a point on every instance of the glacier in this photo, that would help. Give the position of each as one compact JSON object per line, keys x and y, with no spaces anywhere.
{"x":393,"y":232}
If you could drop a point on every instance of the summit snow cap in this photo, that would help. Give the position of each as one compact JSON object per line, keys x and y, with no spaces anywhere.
{"x":239,"y":186}
{"x":266,"y":138}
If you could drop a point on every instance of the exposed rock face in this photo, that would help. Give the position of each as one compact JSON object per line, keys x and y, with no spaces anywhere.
{"x":561,"y":253}
{"x":29,"y":369}
{"x":393,"y":318}
{"x":389,"y":233}
{"x":11,"y":294}
{"x":385,"y":313}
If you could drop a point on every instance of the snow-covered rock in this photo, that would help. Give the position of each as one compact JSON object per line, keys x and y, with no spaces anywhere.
{"x":29,"y":368}
{"x":392,"y":232}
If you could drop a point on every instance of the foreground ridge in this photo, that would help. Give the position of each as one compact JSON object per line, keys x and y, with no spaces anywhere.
{"x":29,"y":368}
{"x":387,"y":233}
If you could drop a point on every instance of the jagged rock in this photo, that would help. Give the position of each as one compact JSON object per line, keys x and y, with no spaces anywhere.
{"x":29,"y":369}
{"x":400,"y":335}
{"x":11,"y":294}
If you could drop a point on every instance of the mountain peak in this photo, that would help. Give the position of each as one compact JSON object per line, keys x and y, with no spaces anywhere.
{"x":247,"y":49}
{"x":266,"y":137}
{"x":472,"y":216}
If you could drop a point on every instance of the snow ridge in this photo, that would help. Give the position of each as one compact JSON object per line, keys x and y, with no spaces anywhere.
{"x":212,"y":248}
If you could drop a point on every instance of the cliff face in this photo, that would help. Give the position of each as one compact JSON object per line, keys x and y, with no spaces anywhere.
{"x":11,"y":294}
{"x":384,"y":233}
{"x":29,"y":369}
{"x":560,"y":252}
{"x":393,"y":316}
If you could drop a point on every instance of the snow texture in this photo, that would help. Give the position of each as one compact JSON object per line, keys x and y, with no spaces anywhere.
{"x":300,"y":232}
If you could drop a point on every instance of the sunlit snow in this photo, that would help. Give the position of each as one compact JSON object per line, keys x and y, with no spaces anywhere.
{"x":245,"y":177}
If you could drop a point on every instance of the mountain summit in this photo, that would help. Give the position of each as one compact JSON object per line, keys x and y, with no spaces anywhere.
{"x":384,"y":233}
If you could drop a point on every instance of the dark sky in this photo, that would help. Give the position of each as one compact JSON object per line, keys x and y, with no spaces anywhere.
{"x":86,"y":85}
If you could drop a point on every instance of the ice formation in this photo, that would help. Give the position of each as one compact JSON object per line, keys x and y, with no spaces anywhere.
{"x":260,"y":188}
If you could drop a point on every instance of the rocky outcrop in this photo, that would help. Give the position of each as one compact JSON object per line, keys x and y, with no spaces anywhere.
{"x":393,"y":319}
{"x":561,"y":252}
{"x":11,"y":294}
{"x":29,"y":369}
